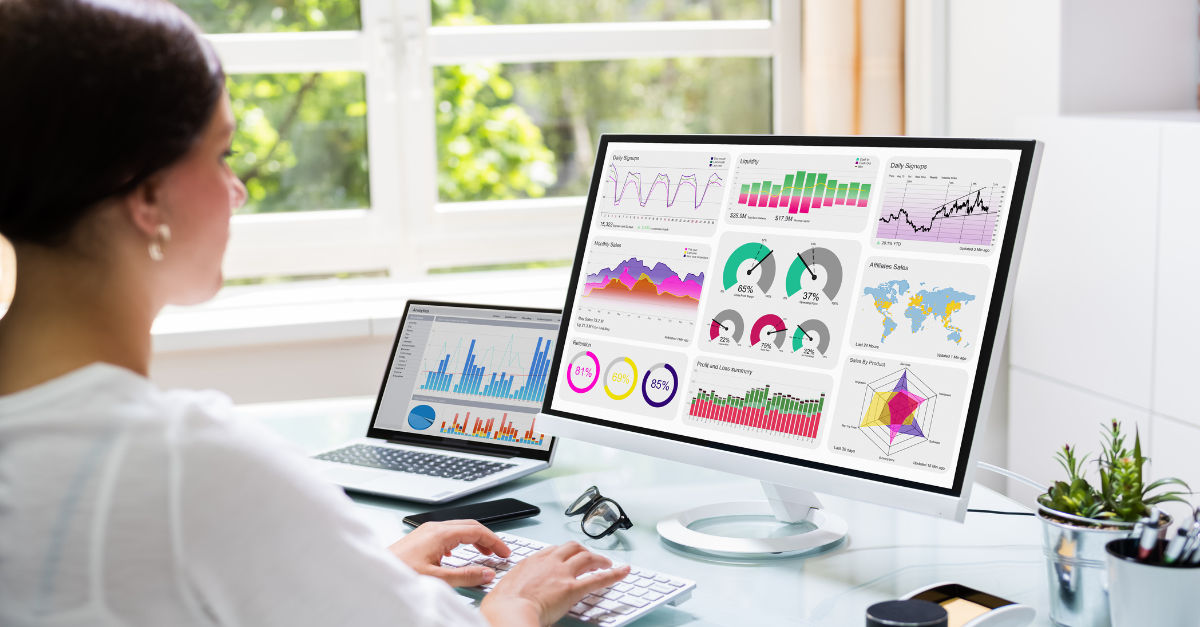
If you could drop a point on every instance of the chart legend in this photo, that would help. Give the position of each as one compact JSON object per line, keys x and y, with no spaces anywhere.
{"x":829,"y":192}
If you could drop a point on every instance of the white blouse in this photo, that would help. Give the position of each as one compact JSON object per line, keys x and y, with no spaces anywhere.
{"x":121,"y":504}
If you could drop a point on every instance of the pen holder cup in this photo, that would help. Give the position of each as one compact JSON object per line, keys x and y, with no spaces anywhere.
{"x":1150,"y":594}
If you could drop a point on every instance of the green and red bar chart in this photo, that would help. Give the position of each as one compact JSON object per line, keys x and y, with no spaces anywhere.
{"x":804,"y":191}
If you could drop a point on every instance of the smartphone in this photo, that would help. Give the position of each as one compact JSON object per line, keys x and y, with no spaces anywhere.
{"x":489,"y":513}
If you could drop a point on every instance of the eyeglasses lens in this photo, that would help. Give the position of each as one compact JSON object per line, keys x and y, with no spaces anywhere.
{"x":601,"y":519}
{"x":582,"y":502}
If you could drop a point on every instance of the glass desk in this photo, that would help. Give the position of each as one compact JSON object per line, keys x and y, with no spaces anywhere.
{"x":886,"y":554}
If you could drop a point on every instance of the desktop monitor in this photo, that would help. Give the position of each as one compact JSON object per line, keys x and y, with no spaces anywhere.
{"x":824,"y":314}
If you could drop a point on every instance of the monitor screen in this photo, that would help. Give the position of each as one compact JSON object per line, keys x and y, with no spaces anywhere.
{"x":468,"y":374}
{"x":827,"y":302}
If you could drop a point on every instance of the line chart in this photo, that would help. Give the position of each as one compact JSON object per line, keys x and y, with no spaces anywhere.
{"x":959,"y":202}
{"x":664,"y":192}
{"x":664,"y":179}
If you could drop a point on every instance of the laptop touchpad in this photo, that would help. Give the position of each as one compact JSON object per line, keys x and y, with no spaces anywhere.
{"x":407,"y":484}
{"x":351,"y":476}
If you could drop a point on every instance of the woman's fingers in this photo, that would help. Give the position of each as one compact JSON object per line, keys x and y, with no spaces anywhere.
{"x":466,"y":576}
{"x":472,"y":532}
{"x":603,"y":579}
{"x":586,"y":562}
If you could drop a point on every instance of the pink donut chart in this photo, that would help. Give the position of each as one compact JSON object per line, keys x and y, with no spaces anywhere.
{"x":578,"y":373}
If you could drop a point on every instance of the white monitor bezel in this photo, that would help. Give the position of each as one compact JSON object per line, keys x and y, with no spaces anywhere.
{"x":950,"y":503}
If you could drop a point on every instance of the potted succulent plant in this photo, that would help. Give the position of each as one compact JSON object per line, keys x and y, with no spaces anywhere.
{"x":1078,"y":520}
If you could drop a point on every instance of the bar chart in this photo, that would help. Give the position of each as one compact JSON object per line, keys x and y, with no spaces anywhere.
{"x":498,"y":371}
{"x":487,"y":429}
{"x":757,"y":401}
{"x":821,"y":191}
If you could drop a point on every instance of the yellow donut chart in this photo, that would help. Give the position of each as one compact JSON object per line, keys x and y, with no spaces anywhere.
{"x":608,"y":378}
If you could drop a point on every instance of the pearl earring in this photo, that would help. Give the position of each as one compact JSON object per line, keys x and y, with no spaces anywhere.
{"x":162,"y":236}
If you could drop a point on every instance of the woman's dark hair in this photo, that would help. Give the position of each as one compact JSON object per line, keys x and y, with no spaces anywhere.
{"x":95,"y":96}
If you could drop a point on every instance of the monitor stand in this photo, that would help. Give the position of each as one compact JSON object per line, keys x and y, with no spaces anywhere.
{"x":815,"y":528}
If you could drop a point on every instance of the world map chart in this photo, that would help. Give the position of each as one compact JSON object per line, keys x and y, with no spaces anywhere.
{"x":940,"y":303}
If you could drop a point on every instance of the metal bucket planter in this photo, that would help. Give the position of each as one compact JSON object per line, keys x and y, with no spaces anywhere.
{"x":1076,"y":565}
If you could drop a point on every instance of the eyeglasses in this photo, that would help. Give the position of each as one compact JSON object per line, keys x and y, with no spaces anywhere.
{"x":601,"y":516}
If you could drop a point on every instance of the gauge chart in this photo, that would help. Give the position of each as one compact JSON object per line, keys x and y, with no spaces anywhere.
{"x":757,"y":401}
{"x":943,"y":205}
{"x":899,"y":413}
{"x":680,"y":193}
{"x":643,"y":381}
{"x":826,"y":192}
{"x":779,"y":298}
{"x":641,"y":289}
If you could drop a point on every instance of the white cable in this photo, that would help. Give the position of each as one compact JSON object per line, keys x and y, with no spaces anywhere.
{"x":1012,"y":475}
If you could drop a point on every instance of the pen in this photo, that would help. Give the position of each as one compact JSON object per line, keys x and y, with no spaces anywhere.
{"x":1175,"y":546}
{"x":1149,"y":534}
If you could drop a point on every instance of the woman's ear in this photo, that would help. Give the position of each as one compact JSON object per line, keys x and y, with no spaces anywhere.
{"x":144,"y":206}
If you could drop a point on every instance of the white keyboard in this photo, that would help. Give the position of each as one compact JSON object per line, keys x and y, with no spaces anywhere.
{"x":640,"y":593}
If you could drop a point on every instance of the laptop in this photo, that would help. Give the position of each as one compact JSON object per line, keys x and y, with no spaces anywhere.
{"x":457,"y":409}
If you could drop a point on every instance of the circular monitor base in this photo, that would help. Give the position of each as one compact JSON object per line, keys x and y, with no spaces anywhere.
{"x":818,"y":532}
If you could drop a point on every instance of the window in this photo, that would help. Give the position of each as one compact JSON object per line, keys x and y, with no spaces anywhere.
{"x":411,"y":136}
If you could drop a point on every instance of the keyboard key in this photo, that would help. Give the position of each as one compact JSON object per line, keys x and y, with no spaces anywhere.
{"x":634,"y":601}
{"x":658,"y":587}
{"x":662,"y":579}
{"x":579,"y":608}
{"x":623,"y":587}
{"x":595,"y":611}
{"x":675,"y":583}
{"x":609,"y":604}
{"x":454,"y":562}
{"x":652,"y":596}
{"x":636,"y":592}
{"x":592,"y":599}
{"x":611,"y":594}
{"x":643,"y":583}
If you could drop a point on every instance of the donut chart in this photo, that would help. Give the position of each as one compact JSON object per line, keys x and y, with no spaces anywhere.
{"x":728,"y":320}
{"x":809,"y":265}
{"x":660,"y":385}
{"x":582,"y":374}
{"x":763,"y":265}
{"x":622,"y":374}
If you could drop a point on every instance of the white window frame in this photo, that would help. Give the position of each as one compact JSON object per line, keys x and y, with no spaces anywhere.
{"x":406,"y":230}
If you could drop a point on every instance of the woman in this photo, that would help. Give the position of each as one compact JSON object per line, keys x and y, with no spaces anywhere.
{"x":124,"y":504}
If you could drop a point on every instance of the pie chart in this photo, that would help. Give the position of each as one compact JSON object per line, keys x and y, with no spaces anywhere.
{"x":421,"y":417}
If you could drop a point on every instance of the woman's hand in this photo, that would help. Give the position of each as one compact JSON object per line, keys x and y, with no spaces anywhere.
{"x":544,"y":586}
{"x":423,"y":548}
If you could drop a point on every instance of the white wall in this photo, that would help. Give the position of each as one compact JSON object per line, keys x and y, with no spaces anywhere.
{"x":1103,"y":323}
{"x":1008,"y":60}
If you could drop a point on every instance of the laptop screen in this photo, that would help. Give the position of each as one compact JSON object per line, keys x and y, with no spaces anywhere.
{"x":468,"y":377}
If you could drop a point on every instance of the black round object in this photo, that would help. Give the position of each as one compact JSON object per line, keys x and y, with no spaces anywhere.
{"x":910,"y":613}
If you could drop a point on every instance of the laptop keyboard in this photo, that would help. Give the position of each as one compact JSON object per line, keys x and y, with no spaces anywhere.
{"x":430,"y":464}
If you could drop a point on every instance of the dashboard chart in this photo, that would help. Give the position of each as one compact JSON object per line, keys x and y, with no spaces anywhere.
{"x":643,"y":290}
{"x":826,"y":192}
{"x":780,"y":298}
{"x":943,"y":205}
{"x":757,"y":401}
{"x":895,"y":412}
{"x":920,"y":308}
{"x":484,"y":364}
{"x":633,"y":379}
{"x":666,"y":192}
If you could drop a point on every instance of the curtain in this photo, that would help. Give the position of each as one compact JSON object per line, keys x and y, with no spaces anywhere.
{"x":853,"y":61}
